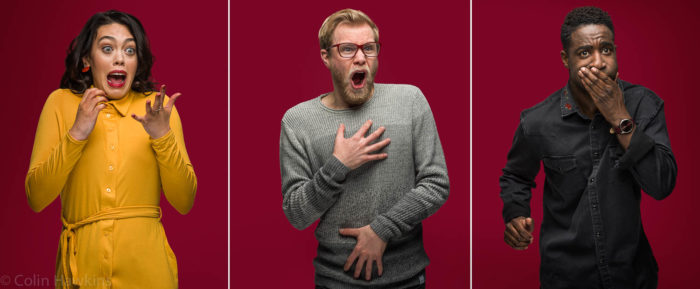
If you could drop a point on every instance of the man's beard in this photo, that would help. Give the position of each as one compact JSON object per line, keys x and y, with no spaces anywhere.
{"x":351,"y":96}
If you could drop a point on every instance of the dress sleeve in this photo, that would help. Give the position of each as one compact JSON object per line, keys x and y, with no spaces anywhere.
{"x":649,"y":157}
{"x":518,"y":177}
{"x":54,"y":155}
{"x":176,"y":172}
{"x":306,"y":195}
{"x":432,"y":184}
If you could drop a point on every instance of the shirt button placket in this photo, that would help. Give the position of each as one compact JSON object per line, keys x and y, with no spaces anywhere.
{"x":111,"y":122}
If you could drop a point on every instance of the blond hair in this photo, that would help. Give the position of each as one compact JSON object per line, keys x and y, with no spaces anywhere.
{"x":350,"y":16}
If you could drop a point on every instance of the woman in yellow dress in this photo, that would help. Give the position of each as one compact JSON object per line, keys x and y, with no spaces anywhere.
{"x":108,"y":144}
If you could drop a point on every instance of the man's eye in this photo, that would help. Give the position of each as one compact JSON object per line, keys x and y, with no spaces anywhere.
{"x":107,"y":49}
{"x":584,"y":53}
{"x":606,"y":50}
{"x":347,"y":49}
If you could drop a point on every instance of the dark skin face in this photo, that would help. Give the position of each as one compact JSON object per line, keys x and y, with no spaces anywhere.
{"x":591,"y":46}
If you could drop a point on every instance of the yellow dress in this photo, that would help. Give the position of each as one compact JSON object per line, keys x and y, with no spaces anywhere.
{"x":110,"y":188}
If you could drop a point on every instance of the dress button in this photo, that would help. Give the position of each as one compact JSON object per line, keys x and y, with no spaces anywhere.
{"x":109,"y":190}
{"x":592,"y":180}
{"x":595,"y":154}
{"x":108,"y":115}
{"x":112,"y":147}
{"x":597,"y":234}
{"x":110,"y":167}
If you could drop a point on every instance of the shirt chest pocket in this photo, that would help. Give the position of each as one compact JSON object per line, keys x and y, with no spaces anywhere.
{"x":560,"y":164}
{"x":562,"y":175}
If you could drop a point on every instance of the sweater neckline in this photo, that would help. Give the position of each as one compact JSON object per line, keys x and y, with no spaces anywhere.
{"x":378,"y":88}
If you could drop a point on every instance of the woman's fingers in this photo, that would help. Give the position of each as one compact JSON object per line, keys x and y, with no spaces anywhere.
{"x":172,"y":100}
{"x":158,"y":103}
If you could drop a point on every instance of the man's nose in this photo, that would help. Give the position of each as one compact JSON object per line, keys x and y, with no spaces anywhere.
{"x":598,"y":61}
{"x":360,"y":57}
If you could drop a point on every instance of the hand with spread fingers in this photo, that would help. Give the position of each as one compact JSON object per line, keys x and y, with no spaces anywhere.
{"x":357,"y":150}
{"x":369,"y":249}
{"x":518,"y":233}
{"x":92,"y":102}
{"x":156,"y":121}
{"x":605,"y":93}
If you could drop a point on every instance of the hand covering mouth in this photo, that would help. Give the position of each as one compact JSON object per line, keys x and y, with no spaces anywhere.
{"x":358,"y":79}
{"x":116,"y":78}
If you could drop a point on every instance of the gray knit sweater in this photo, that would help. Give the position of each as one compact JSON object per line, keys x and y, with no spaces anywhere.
{"x":392,"y":195}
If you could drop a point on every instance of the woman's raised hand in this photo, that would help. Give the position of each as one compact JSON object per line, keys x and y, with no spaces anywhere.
{"x":156,"y":122}
{"x":93,"y":101}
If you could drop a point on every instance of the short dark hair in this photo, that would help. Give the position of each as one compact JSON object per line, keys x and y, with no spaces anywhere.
{"x":78,"y":81}
{"x":583,"y":16}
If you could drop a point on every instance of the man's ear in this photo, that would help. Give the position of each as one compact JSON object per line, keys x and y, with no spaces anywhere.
{"x":325,"y":55}
{"x":564,"y":58}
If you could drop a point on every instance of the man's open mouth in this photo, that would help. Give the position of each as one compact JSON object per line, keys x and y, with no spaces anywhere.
{"x":116,"y":78}
{"x":358,"y":79}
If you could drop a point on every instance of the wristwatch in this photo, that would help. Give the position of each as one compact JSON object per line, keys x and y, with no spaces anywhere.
{"x":625,"y":127}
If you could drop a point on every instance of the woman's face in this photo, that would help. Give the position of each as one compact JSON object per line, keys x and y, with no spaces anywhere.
{"x":113,"y":60}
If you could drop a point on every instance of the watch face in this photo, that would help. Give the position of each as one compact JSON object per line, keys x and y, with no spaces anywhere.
{"x":626,"y":126}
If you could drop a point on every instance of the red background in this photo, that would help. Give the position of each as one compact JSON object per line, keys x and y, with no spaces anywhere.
{"x":275,"y":64}
{"x":189,"y":41}
{"x":516,"y":48}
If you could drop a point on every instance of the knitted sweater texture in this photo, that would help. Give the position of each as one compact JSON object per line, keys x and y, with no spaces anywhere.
{"x":392,"y":195}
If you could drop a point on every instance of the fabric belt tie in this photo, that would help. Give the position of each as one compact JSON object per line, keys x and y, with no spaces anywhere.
{"x":67,"y":242}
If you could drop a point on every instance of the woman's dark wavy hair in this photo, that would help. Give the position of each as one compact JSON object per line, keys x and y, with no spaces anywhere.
{"x":78,"y":81}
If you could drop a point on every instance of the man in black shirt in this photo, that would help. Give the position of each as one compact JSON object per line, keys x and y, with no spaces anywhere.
{"x":601,"y":140}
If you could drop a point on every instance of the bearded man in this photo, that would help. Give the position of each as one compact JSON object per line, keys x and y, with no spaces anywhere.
{"x":369,"y":195}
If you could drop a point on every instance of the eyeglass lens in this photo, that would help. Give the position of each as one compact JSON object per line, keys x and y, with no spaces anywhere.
{"x":350,"y":49}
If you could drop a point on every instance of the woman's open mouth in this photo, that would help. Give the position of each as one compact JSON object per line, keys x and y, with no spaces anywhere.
{"x":116,"y":78}
{"x":358,"y":79}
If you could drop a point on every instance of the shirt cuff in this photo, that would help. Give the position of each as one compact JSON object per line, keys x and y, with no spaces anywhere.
{"x":75,"y":141}
{"x":74,"y":145}
{"x":640,"y":145}
{"x":164,"y":141}
{"x":513,"y":212}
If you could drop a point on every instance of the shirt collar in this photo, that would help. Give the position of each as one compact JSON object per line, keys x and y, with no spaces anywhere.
{"x":122,"y":104}
{"x":568,"y":105}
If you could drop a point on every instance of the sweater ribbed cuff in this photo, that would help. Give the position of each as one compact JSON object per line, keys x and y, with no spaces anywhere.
{"x":381,"y":229}
{"x":335,"y":169}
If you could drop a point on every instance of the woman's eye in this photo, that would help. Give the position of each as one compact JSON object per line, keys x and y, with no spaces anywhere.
{"x":107,"y":49}
{"x":130,"y":51}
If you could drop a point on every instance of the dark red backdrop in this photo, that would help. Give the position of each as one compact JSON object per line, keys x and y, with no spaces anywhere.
{"x":275,"y":64}
{"x":189,"y":41}
{"x":516,"y":65}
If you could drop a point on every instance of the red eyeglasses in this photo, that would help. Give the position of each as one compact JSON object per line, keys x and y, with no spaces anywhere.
{"x":348,"y":50}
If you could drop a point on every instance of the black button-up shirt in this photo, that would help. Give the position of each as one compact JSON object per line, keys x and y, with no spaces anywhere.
{"x":591,"y":234}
